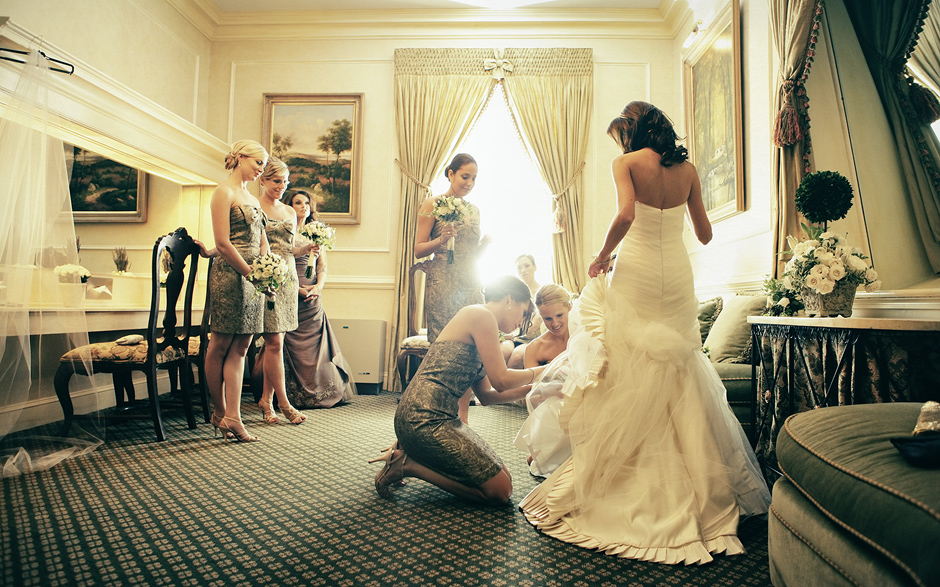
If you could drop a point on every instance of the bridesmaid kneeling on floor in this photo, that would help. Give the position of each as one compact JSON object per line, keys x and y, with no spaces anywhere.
{"x":433,"y":443}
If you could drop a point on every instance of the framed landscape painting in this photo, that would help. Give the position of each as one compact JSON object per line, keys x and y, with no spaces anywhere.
{"x":319,"y":137}
{"x":714,"y":113}
{"x":103,"y":190}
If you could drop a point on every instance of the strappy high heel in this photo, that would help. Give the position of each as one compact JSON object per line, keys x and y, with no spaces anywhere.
{"x":267,"y":412}
{"x":240,"y":436}
{"x":392,"y":474}
{"x":293,"y":415}
{"x":217,"y":426}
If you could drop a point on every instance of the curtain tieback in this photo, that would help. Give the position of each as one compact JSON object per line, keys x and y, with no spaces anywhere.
{"x":411,"y":176}
{"x":559,"y":219}
{"x":498,"y":65}
{"x":790,"y":126}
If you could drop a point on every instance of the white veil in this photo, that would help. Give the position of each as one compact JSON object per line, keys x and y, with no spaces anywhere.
{"x":36,"y":234}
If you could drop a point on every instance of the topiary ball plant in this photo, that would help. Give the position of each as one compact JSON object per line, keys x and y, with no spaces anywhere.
{"x":824,"y":196}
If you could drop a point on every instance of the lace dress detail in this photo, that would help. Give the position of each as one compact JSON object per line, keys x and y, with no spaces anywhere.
{"x":283,"y":318}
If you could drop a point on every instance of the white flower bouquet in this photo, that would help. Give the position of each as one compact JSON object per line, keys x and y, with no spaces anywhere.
{"x":269,"y":272}
{"x":825,"y":260}
{"x":450,"y":210}
{"x":319,"y":234}
{"x":72,"y":274}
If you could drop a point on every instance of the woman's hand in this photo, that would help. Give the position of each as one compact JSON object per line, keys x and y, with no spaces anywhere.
{"x":203,"y":251}
{"x":448,"y":231}
{"x":309,"y":292}
{"x":485,"y":241}
{"x":599,"y":266}
{"x":314,"y":250}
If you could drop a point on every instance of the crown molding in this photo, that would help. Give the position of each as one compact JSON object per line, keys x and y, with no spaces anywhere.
{"x":92,"y":110}
{"x":663,"y":22}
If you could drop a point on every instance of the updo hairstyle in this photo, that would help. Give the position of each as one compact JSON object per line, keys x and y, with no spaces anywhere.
{"x":552,"y":294}
{"x":515,"y":288}
{"x":274,"y":168}
{"x":642,"y":125}
{"x":245,"y":147}
{"x":459,"y":160}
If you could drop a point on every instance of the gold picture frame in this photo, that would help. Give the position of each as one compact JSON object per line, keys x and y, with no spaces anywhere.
{"x":714,"y":112}
{"x":103,"y":190}
{"x":311,"y":133}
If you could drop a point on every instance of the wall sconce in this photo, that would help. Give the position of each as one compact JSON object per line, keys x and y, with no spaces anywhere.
{"x":698,"y":28}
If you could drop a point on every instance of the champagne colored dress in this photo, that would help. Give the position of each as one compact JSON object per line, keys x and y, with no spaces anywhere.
{"x":283,"y":318}
{"x":660,"y":468}
{"x":426,"y":421}
{"x":235,"y":306}
{"x":451,"y":286}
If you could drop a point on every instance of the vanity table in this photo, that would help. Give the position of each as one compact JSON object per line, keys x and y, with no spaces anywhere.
{"x":802,"y":364}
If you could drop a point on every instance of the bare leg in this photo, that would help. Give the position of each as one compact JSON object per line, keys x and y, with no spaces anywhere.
{"x":215,"y":358}
{"x":274,"y":384}
{"x":233,"y":371}
{"x":495,"y":491}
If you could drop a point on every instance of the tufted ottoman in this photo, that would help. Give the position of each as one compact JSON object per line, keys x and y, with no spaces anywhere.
{"x":849,"y":509}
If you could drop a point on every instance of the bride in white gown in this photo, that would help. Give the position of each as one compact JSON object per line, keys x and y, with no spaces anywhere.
{"x":660,"y":468}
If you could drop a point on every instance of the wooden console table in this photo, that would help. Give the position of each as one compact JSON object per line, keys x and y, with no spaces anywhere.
{"x":802,"y":364}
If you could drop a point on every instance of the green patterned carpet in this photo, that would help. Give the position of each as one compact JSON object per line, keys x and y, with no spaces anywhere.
{"x":298,"y":508}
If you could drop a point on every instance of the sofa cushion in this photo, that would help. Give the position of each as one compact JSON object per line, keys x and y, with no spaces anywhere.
{"x":842,"y":459}
{"x":707,"y":314}
{"x":729,"y":340}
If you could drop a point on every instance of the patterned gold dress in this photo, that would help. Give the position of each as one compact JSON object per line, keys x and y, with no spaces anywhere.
{"x":283,"y":318}
{"x":236,"y":307}
{"x":450,"y":287}
{"x":426,"y":421}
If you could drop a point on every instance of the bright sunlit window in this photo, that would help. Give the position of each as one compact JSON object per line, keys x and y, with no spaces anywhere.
{"x":515,"y":204}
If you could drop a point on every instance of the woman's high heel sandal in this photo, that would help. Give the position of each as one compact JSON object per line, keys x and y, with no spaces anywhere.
{"x":391,"y":474}
{"x":267,"y":412}
{"x":216,"y":422}
{"x":293,"y":415}
{"x":239,"y":435}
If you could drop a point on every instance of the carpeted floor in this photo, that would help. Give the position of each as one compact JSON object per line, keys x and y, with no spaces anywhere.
{"x":298,"y":508}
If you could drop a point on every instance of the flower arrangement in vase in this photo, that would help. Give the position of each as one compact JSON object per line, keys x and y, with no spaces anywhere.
{"x":72,"y":280}
{"x":824,"y":272}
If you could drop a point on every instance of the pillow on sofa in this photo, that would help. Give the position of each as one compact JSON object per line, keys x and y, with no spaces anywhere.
{"x":707,"y":313}
{"x":729,"y":340}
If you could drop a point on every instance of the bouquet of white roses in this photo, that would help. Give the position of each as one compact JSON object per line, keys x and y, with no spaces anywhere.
{"x":450,"y":210}
{"x":269,"y":272}
{"x":319,"y":234}
{"x":824,"y":260}
{"x":72,"y":273}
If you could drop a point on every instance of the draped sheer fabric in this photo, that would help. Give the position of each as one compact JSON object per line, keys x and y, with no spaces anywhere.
{"x":36,"y":234}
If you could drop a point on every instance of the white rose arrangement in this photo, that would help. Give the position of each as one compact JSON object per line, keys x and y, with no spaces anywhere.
{"x":450,"y":210}
{"x":824,"y":260}
{"x":72,"y":273}
{"x":269,"y":272}
{"x":319,"y":234}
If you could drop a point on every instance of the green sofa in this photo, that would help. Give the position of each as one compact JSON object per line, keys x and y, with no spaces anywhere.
{"x":849,"y":509}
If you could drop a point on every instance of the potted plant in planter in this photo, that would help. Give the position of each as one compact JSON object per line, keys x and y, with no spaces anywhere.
{"x":825,"y":269}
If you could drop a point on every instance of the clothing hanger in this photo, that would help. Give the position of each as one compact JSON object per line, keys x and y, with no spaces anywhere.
{"x":69,"y":71}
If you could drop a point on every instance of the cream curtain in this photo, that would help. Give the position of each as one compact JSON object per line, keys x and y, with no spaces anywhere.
{"x":926,"y":56}
{"x":794,"y":27}
{"x":551,"y":96}
{"x":438,"y":95}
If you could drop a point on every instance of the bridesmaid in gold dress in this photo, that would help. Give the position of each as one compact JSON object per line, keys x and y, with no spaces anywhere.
{"x":236,"y":311}
{"x":281,"y":227}
{"x":434,"y":444}
{"x":451,"y":286}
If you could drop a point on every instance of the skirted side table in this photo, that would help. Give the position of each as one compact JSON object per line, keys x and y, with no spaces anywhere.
{"x":802,"y":364}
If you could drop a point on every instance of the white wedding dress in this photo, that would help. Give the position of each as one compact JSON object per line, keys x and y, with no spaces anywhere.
{"x":660,"y":468}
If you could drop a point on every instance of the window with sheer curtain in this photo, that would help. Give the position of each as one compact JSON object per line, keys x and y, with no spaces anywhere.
{"x":515,"y":203}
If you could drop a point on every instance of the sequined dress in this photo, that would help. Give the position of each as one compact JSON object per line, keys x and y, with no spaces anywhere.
{"x":235,"y":306}
{"x":426,"y":421}
{"x":283,"y":318}
{"x":450,"y":287}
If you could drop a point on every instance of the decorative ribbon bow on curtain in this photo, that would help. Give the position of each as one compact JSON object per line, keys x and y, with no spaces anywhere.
{"x":497,"y":65}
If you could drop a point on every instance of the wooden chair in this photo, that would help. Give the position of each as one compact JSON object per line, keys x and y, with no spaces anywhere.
{"x":197,"y":356}
{"x":416,"y":344}
{"x":164,"y":346}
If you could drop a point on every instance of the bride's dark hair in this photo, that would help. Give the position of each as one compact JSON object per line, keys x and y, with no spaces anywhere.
{"x":642,"y":125}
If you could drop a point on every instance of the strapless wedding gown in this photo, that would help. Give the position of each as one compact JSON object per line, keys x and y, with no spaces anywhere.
{"x":660,"y":468}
